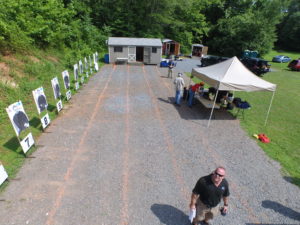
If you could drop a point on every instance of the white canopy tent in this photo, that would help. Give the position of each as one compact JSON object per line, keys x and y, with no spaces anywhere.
{"x":232,"y":75}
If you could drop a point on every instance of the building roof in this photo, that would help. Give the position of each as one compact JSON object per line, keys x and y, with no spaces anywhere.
{"x":124,"y":41}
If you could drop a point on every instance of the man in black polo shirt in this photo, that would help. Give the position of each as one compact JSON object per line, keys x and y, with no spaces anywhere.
{"x":207,"y":195}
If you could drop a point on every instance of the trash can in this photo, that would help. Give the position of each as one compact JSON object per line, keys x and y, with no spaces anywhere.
{"x":106,"y":58}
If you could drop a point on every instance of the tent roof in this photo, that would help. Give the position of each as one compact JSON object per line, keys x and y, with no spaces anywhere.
{"x":232,"y":75}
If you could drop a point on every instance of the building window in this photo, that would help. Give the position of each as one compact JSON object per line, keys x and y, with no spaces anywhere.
{"x":154,"y":50}
{"x":118,"y":49}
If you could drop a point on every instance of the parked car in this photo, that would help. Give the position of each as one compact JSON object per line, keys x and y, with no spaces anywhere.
{"x":211,"y":59}
{"x":281,"y":59}
{"x":295,"y":65}
{"x":256,"y":65}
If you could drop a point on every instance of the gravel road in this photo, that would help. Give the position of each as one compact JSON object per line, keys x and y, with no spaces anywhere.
{"x":122,"y":153}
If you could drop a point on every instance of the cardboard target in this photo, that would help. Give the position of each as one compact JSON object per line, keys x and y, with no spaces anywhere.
{"x":86,"y":64}
{"x":56,"y":88}
{"x":97,"y":57}
{"x":17,"y":117}
{"x":3,"y":174}
{"x":80,"y":67}
{"x":66,"y":79}
{"x":40,"y":99}
{"x":90,"y":61}
{"x":96,"y":66}
{"x":76,"y":72}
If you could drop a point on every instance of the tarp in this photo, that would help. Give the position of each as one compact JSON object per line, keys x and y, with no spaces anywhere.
{"x":232,"y":75}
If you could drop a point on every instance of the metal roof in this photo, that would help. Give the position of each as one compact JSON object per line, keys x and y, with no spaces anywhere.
{"x":123,"y":41}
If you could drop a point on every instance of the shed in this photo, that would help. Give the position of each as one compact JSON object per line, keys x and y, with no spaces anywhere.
{"x":146,"y":50}
{"x":170,"y":47}
{"x":199,"y":50}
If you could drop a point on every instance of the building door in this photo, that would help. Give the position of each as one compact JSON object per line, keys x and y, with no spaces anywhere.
{"x":131,"y":54}
{"x":147,"y":55}
{"x":140,"y":54}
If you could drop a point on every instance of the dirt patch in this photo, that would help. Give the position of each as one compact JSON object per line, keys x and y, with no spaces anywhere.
{"x":5,"y":78}
{"x":53,"y":59}
{"x":34,"y":59}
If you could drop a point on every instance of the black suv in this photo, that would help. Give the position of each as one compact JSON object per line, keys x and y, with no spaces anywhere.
{"x":256,"y":65}
{"x":211,"y":59}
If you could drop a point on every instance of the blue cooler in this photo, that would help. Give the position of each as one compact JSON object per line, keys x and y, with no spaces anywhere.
{"x":106,"y":58}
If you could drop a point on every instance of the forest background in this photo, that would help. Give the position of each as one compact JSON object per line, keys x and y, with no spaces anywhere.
{"x":227,"y":26}
{"x":41,"y":38}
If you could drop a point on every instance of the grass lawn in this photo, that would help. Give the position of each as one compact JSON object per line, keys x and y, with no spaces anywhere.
{"x":283,"y":127}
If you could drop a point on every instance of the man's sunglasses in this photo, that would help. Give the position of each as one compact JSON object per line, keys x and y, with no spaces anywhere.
{"x":220,"y":175}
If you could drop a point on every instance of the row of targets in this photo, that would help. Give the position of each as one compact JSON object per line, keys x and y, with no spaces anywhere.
{"x":19,"y":118}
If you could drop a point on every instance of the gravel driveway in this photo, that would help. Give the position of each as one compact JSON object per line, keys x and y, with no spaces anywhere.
{"x":122,"y":153}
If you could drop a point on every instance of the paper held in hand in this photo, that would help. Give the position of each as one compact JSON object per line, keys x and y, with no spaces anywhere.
{"x":192,"y":214}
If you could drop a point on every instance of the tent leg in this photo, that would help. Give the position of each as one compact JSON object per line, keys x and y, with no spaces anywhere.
{"x":269,"y":108}
{"x":212,"y":110}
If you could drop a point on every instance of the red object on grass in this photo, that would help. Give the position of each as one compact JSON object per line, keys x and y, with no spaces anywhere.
{"x":263,"y":138}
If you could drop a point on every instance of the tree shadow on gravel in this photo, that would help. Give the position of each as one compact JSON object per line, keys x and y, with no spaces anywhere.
{"x":292,"y":180}
{"x":279,"y":208}
{"x":170,"y":215}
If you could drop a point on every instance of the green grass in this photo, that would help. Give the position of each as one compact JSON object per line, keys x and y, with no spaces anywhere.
{"x":283,"y":127}
{"x":35,"y":70}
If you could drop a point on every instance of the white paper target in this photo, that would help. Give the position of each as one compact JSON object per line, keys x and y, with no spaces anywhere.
{"x":97,"y":57}
{"x":66,"y":79}
{"x":40,"y":99}
{"x":69,"y":95}
{"x":27,"y":142}
{"x":75,"y":72}
{"x":45,"y":121}
{"x":90,"y":61}
{"x":86,"y":64}
{"x":56,"y":88}
{"x":96,"y":67}
{"x":18,"y":117}
{"x":80,"y":67}
{"x":87,"y":74}
{"x":3,"y":174}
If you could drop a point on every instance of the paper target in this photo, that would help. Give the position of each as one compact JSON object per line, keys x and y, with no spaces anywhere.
{"x":56,"y":88}
{"x":17,"y":117}
{"x":86,"y":63}
{"x":80,"y":67}
{"x":75,"y":72}
{"x":3,"y":174}
{"x":97,"y":57}
{"x":96,"y":67}
{"x":66,"y":79}
{"x":90,"y":61}
{"x":40,"y":99}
